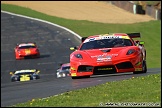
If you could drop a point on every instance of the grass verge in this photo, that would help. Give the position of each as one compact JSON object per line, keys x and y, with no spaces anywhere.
{"x":139,"y":91}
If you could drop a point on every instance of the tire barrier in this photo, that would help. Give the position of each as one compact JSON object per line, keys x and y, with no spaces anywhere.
{"x":153,"y":12}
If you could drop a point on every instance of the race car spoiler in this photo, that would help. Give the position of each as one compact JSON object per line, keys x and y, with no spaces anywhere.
{"x":134,"y":35}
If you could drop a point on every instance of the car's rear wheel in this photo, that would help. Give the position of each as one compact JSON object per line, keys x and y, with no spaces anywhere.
{"x":144,"y":68}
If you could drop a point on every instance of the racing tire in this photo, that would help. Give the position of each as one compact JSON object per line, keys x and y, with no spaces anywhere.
{"x":12,"y":80}
{"x":144,"y":68}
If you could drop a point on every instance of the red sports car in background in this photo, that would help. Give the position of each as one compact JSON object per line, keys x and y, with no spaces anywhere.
{"x":108,"y":53}
{"x":25,"y":50}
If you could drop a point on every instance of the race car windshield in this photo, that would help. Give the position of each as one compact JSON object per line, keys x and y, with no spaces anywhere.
{"x":106,"y":43}
{"x":25,"y":47}
{"x":66,"y":68}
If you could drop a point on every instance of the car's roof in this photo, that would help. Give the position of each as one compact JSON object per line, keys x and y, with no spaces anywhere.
{"x":26,"y":44}
{"x":23,"y":71}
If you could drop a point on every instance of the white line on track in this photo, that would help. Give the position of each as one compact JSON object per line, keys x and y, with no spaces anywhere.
{"x":46,"y":63}
{"x":44,"y":22}
{"x":8,"y":60}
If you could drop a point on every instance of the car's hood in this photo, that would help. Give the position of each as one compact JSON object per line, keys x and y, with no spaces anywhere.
{"x":107,"y":53}
{"x":105,"y":50}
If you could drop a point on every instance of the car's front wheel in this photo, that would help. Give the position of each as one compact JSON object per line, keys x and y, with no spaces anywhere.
{"x":12,"y":80}
{"x":144,"y":68}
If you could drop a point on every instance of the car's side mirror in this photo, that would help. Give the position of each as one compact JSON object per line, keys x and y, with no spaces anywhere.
{"x":73,"y":48}
{"x":141,"y":42}
{"x":37,"y":71}
{"x":11,"y":73}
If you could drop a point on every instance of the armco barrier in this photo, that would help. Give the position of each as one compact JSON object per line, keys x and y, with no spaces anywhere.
{"x":153,"y":12}
{"x":137,"y":9}
{"x":128,"y":6}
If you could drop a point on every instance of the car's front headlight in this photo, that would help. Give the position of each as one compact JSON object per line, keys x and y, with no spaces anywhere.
{"x":78,"y":56}
{"x":18,"y":51}
{"x":63,"y":74}
{"x":130,"y":51}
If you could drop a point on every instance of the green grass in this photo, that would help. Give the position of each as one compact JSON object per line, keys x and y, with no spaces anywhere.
{"x":138,"y":90}
{"x":133,"y":90}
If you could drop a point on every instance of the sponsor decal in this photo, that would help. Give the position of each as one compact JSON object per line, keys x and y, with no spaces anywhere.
{"x":73,"y":74}
{"x":72,"y":68}
{"x":100,"y":37}
{"x":24,"y":78}
{"x":138,"y":69}
{"x":109,"y":37}
{"x":104,"y":58}
{"x":124,"y":37}
{"x":104,"y":54}
{"x":105,"y":68}
{"x":138,"y":63}
{"x":27,"y":51}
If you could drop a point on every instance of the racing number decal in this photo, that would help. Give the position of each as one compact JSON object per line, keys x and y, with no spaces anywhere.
{"x":24,"y":78}
{"x":27,"y":51}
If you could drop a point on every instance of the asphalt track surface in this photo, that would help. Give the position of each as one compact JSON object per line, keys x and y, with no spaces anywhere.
{"x":54,"y":43}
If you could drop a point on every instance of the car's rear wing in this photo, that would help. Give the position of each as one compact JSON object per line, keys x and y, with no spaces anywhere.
{"x":134,"y":35}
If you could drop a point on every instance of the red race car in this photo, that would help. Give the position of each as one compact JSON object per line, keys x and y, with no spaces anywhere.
{"x":26,"y":50}
{"x":108,"y":53}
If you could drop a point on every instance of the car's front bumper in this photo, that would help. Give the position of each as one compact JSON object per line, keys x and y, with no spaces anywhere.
{"x":95,"y":68}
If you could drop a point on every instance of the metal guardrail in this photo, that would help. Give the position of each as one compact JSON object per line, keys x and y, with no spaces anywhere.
{"x":137,"y":9}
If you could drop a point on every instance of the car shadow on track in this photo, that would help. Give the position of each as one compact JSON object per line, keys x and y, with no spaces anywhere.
{"x":41,"y":56}
{"x":44,"y":56}
{"x":116,"y":74}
